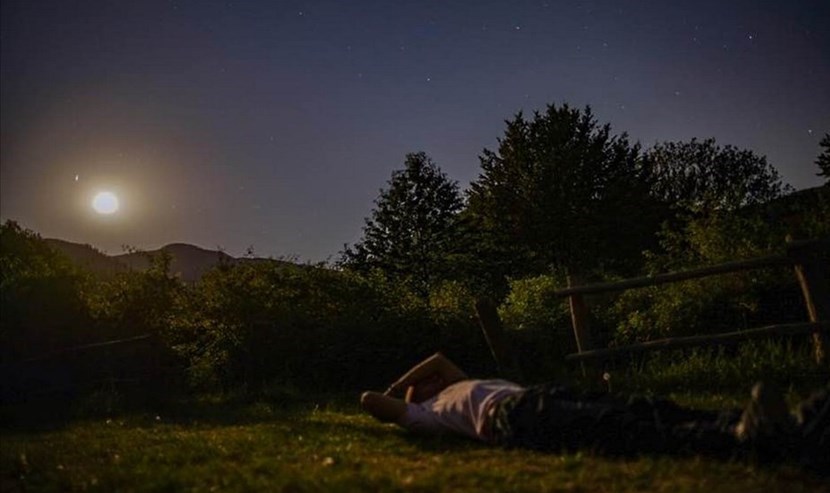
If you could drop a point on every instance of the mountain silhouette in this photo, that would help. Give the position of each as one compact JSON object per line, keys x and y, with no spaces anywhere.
{"x":189,"y":262}
{"x":87,"y":257}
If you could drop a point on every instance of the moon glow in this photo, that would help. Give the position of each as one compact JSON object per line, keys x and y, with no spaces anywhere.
{"x":105,"y":203}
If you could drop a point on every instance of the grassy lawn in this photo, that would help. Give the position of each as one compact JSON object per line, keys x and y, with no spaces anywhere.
{"x":259,"y":447}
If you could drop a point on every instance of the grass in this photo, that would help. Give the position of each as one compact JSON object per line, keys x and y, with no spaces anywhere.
{"x":333,"y":447}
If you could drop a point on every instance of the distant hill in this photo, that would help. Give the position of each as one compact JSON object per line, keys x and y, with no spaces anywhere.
{"x":189,"y":262}
{"x":87,"y":256}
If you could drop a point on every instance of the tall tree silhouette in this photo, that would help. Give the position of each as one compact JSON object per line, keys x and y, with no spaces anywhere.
{"x":413,"y":228}
{"x":823,"y":159}
{"x":561,"y":191}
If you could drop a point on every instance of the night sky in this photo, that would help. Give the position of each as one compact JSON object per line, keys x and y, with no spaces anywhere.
{"x":274,"y":124}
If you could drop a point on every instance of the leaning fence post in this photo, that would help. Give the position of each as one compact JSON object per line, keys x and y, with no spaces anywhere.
{"x":579,"y":320}
{"x":503,"y":351}
{"x":811,"y":272}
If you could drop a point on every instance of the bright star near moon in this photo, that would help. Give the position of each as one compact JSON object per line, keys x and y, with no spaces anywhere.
{"x":105,"y":203}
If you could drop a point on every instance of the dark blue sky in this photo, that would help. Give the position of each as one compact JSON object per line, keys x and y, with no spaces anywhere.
{"x":274,"y":124}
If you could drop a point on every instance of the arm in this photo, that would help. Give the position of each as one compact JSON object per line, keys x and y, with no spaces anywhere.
{"x":437,"y":364}
{"x":384,"y":408}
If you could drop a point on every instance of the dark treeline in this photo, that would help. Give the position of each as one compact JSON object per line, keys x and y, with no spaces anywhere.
{"x":561,"y":196}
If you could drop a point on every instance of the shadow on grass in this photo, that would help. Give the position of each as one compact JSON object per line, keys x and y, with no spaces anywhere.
{"x":46,"y":415}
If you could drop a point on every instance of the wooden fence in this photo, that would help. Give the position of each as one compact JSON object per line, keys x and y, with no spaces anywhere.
{"x":806,"y":257}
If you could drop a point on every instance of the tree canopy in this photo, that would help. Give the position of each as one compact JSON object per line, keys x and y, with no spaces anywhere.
{"x":561,"y":191}
{"x":413,"y":228}
{"x":701,"y":176}
{"x":823,"y":159}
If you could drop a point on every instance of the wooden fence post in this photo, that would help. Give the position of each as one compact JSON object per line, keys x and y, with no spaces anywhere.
{"x":579,"y":319}
{"x":503,"y":352}
{"x":812,"y":274}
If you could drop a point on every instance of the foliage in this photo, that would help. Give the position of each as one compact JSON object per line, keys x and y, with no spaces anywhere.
{"x":137,"y":302}
{"x":823,"y":159}
{"x":810,"y":216}
{"x":703,"y":177}
{"x":728,"y":206}
{"x":560,"y":191}
{"x":713,"y":304}
{"x":412,"y":232}
{"x":704,"y":371}
{"x":530,"y":306}
{"x":40,"y":297}
{"x":251,"y":324}
{"x":452,"y":311}
{"x":539,"y":325}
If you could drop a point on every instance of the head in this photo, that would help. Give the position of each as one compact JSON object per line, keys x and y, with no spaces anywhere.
{"x":425,"y":389}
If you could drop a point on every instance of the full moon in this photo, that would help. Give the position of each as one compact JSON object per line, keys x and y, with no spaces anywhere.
{"x":105,"y":203}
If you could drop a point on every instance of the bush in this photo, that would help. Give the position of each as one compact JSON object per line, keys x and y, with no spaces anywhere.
{"x":43,"y":311}
{"x":713,"y":304}
{"x":256,"y":323}
{"x":452,"y":311}
{"x":40,"y":297}
{"x":51,"y":311}
{"x":134,"y":304}
{"x":727,"y":369}
{"x":540,"y":324}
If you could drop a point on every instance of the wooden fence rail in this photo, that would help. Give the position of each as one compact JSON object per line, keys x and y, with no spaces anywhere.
{"x":645,"y":281}
{"x":692,"y":341}
{"x":36,"y":376}
{"x":807,"y":257}
{"x":75,"y":349}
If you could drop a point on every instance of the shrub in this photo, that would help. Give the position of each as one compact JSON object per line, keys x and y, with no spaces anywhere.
{"x":452,"y":311}
{"x":727,"y":369}
{"x":713,"y":304}
{"x":42,"y":312}
{"x":540,"y":324}
{"x":256,"y":323}
{"x":40,"y":297}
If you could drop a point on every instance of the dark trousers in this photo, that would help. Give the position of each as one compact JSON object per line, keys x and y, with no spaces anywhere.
{"x":556,"y":418}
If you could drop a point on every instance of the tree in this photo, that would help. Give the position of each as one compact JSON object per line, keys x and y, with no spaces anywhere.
{"x":40,"y":296}
{"x":411,"y":234}
{"x":702,"y":177}
{"x":561,"y":191}
{"x":823,"y":159}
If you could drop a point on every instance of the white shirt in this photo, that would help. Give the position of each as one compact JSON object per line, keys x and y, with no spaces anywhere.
{"x":462,"y":408}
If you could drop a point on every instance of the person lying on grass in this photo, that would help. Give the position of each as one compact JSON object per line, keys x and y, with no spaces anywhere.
{"x":436,"y":396}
